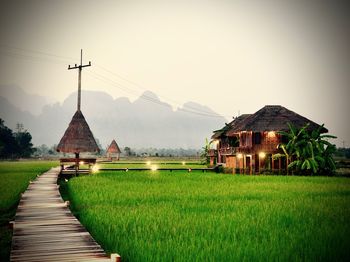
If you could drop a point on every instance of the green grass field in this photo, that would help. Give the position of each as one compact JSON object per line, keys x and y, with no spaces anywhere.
{"x":14,"y":179}
{"x":152,"y":163}
{"x":181,"y":216}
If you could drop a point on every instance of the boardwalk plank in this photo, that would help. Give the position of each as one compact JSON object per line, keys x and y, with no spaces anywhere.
{"x":45,"y":229}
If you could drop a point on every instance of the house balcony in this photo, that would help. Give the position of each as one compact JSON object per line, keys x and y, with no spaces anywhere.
{"x":227,"y":151}
{"x":212,"y":152}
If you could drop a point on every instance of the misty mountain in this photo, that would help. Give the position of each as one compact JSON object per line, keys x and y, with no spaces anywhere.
{"x":145,"y":122}
{"x":23,"y":100}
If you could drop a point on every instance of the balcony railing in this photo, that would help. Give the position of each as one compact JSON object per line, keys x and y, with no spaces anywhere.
{"x":227,"y":150}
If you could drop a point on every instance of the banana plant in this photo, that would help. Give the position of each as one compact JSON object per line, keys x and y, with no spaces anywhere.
{"x":309,"y":152}
{"x":205,"y":151}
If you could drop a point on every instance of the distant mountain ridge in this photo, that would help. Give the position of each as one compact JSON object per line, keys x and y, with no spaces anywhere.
{"x":146,"y":122}
{"x":23,"y":100}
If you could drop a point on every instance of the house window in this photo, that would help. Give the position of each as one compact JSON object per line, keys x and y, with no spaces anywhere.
{"x":245,"y":139}
{"x":233,"y":141}
{"x":256,"y":138}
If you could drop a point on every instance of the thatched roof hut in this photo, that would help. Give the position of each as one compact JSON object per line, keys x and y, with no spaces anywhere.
{"x":272,"y":118}
{"x":249,"y":142}
{"x":232,"y":125}
{"x":113,"y":148}
{"x":78,"y":137}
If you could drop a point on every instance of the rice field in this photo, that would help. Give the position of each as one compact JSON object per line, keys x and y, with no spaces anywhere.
{"x":14,"y":179}
{"x":152,"y":163}
{"x":181,"y":216}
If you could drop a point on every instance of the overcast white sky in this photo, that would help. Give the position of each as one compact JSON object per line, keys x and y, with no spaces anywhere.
{"x":229,"y":55}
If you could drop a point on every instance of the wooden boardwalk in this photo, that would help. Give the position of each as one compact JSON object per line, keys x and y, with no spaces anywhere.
{"x":46,"y":230}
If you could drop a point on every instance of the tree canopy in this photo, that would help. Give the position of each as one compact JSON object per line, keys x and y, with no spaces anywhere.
{"x":15,"y":144}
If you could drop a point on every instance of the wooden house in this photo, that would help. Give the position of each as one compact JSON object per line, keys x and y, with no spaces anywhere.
{"x":113,"y":151}
{"x":248,"y":143}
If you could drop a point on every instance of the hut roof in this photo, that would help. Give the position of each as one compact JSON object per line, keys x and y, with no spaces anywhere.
{"x":272,"y":118}
{"x":113,"y":148}
{"x":78,"y":136}
{"x":232,"y":125}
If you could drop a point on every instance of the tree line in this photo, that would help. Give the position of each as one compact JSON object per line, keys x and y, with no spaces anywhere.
{"x":160,"y":152}
{"x":16,"y":144}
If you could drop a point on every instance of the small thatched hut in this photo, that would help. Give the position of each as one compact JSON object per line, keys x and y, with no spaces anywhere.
{"x":78,"y":137}
{"x":113,"y":150}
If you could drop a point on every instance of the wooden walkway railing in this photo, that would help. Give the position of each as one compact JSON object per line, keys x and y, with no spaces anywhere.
{"x":46,"y":230}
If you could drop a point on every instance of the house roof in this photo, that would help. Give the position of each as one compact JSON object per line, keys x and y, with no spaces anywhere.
{"x":220,"y":132}
{"x":232,"y":125}
{"x":272,"y":118}
{"x":113,"y":148}
{"x":78,"y":136}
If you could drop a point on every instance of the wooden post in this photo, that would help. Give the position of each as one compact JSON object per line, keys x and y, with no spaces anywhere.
{"x":251,"y":165}
{"x":115,"y":258}
{"x":279,"y":165}
{"x":76,"y":163}
{"x":79,"y":86}
{"x":244,"y":163}
{"x":80,"y":67}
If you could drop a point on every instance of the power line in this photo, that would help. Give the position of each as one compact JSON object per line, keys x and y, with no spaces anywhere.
{"x":165,"y":98}
{"x":69,"y":59}
{"x":30,"y":57}
{"x":39,"y":56}
{"x":145,"y":97}
{"x":192,"y":109}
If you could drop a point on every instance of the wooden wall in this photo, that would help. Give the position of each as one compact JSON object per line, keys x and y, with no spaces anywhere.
{"x":269,"y":143}
{"x":231,"y":161}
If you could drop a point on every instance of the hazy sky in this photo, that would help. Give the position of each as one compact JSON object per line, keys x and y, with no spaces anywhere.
{"x":233,"y":56}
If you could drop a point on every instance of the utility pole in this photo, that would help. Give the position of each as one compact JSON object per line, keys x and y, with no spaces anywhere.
{"x":80,"y":67}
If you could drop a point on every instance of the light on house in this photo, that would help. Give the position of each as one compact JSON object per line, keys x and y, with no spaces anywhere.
{"x":262,"y":155}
